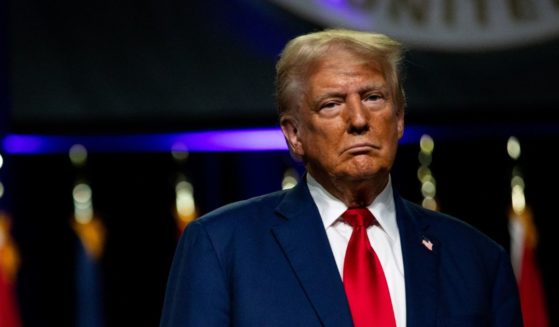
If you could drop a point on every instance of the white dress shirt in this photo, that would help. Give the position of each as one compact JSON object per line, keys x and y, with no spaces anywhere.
{"x":384,"y":238}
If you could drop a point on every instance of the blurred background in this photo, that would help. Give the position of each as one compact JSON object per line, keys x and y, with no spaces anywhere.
{"x":122,"y":121}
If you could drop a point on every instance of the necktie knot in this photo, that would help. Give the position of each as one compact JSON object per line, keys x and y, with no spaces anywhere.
{"x":359,"y":217}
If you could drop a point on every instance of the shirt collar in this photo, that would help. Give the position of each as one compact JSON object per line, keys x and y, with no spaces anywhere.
{"x":331,"y":208}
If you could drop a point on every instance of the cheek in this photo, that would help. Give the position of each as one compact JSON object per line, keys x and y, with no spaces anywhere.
{"x":391,"y":127}
{"x":321,"y":145}
{"x":322,"y":133}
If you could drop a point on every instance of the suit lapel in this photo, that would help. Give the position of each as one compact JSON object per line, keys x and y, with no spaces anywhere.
{"x":306,"y":246}
{"x":421,"y":267}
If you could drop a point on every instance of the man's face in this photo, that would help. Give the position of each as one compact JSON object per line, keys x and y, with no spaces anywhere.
{"x":346,"y":127}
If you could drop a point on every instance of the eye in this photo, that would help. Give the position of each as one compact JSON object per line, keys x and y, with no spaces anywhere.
{"x":374,"y":97}
{"x":329,"y":108}
{"x":328,"y":105}
{"x":375,"y":100}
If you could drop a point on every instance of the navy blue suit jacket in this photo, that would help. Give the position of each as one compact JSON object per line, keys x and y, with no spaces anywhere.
{"x":267,"y":262}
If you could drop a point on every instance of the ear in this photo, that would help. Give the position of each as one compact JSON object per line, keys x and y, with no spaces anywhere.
{"x":400,"y":122}
{"x":290,"y":129}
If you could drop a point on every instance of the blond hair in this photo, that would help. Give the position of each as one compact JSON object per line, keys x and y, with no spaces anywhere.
{"x":301,"y":53}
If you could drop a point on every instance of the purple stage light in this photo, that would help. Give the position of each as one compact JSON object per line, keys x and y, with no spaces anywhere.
{"x":240,"y":140}
{"x":270,"y":139}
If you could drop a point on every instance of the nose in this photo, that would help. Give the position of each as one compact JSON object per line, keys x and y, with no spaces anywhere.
{"x":357,"y":116}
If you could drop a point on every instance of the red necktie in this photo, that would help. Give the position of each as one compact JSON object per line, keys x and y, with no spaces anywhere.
{"x":364,"y":281}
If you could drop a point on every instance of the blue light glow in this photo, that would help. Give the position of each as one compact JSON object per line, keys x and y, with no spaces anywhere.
{"x":270,"y":139}
{"x":263,"y":139}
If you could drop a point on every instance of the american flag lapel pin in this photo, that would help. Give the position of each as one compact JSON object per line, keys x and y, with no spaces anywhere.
{"x":427,"y":244}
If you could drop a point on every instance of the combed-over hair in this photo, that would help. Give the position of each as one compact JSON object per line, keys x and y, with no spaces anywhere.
{"x":301,"y":53}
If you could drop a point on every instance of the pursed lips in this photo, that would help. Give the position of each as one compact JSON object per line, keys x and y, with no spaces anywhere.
{"x":360,"y":148}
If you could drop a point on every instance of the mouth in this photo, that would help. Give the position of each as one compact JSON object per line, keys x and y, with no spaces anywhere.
{"x":361,"y":148}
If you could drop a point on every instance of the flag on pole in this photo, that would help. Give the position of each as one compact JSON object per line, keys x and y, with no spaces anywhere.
{"x":523,"y":249}
{"x":90,"y":243}
{"x":9,"y":263}
{"x":89,"y":297}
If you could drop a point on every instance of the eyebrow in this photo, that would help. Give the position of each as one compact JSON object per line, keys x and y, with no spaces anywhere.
{"x":373,"y":87}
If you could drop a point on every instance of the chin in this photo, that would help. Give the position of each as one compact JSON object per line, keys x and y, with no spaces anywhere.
{"x":361,"y":175}
{"x":363,"y":168}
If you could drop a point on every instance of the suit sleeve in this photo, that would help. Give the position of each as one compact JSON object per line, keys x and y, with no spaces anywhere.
{"x":506,"y":301}
{"x":197,"y":293}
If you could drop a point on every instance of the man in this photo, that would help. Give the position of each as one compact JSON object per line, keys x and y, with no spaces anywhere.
{"x":304,"y":257}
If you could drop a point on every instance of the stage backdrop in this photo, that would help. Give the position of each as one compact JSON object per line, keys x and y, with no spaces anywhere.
{"x":151,"y":65}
